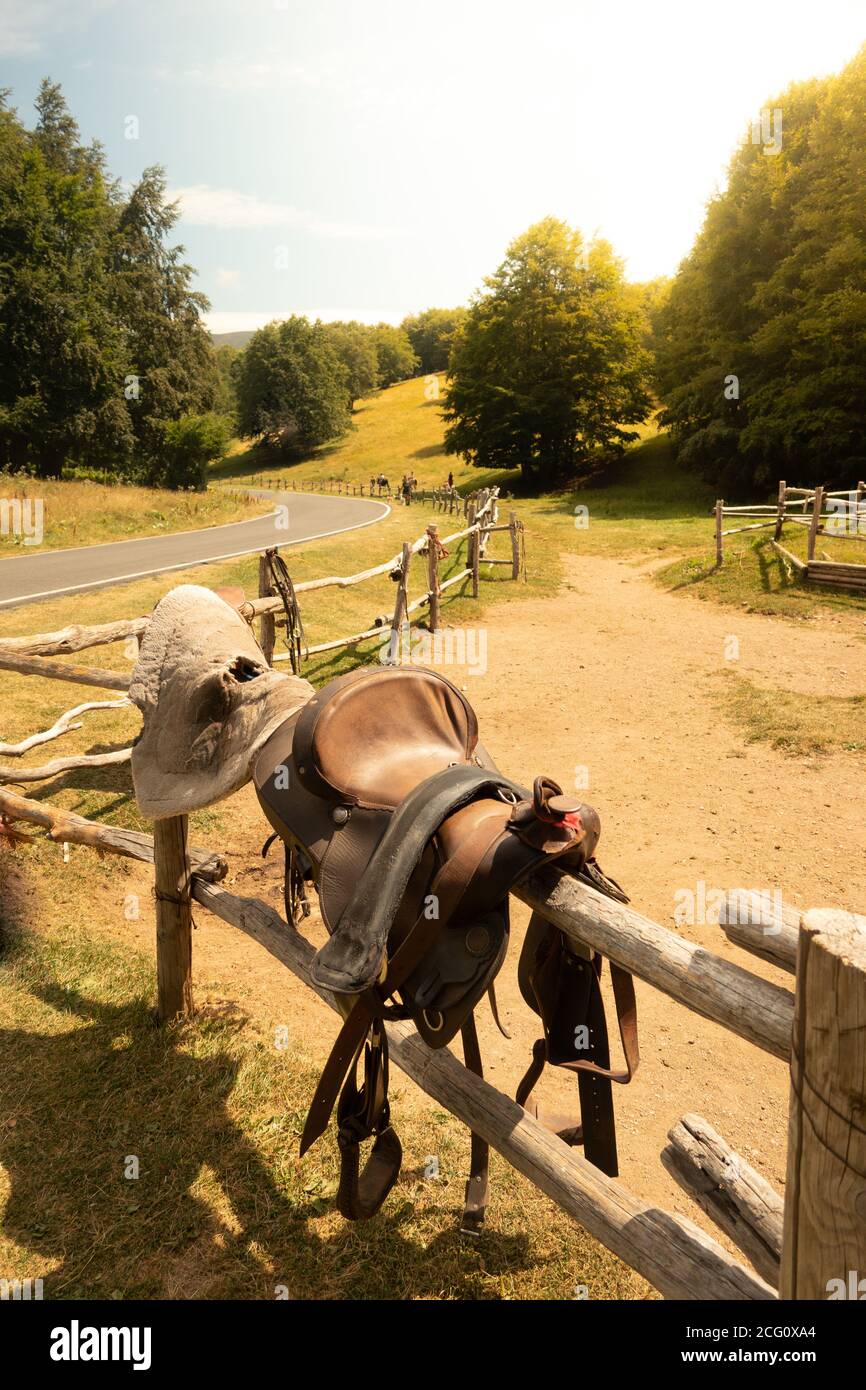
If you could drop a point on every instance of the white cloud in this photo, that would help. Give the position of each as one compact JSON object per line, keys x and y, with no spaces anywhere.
{"x":225,"y":277}
{"x":25,"y":25}
{"x":203,"y":206}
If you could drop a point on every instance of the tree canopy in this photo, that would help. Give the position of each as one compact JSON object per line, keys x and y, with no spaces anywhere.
{"x":101,"y":339}
{"x":291,"y":386}
{"x":394,"y":353}
{"x":549,"y":368}
{"x":761,"y":347}
{"x":431,"y":335}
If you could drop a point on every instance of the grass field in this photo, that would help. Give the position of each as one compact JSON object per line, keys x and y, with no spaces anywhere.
{"x":86,"y":513}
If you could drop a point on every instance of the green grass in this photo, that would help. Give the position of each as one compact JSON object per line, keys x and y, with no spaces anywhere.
{"x":222,"y":1207}
{"x":803,"y":725}
{"x":77,"y":513}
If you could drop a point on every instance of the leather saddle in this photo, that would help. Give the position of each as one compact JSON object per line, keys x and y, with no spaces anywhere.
{"x":386,"y":800}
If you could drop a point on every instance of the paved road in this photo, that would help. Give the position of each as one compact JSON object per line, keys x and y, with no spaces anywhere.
{"x":28,"y":578}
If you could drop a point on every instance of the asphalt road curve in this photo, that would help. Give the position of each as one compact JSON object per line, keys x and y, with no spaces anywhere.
{"x":28,"y":578}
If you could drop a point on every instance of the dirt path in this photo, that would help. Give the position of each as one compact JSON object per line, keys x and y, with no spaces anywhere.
{"x":619,"y":677}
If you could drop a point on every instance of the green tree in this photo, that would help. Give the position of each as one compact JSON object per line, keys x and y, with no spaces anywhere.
{"x":291,"y":387}
{"x":396,"y":360}
{"x":761,"y":347}
{"x":549,"y":367}
{"x":62,"y":350}
{"x":355,"y":346}
{"x":226,"y":401}
{"x":432,"y":335}
{"x":171,"y":370}
{"x":187,"y":446}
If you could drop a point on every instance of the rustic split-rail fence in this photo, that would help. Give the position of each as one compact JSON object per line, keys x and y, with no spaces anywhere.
{"x":832,"y":515}
{"x":818,"y":1026}
{"x":446,"y":499}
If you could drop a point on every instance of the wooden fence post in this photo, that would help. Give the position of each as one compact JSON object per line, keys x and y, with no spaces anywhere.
{"x":780,"y":514}
{"x":267,"y":624}
{"x":824,"y":1240}
{"x":514,"y":529}
{"x":719,"y":505}
{"x":817,"y":508}
{"x":433,"y":575}
{"x":474,"y":549}
{"x":173,"y":918}
{"x":401,"y":604}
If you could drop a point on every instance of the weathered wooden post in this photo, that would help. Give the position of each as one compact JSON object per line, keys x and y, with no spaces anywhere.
{"x":824,"y":1240}
{"x":719,"y":507}
{"x":433,"y":575}
{"x":401,"y":603}
{"x":780,"y":514}
{"x":474,"y":548}
{"x":173,"y":918}
{"x":514,"y":530}
{"x":817,"y":509}
{"x":267,"y":624}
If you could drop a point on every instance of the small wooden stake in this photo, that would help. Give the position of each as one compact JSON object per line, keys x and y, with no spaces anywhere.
{"x":719,"y":505}
{"x":824,"y":1242}
{"x":433,"y":575}
{"x":780,"y":515}
{"x":816,"y":521}
{"x":267,"y":625}
{"x":515,"y":544}
{"x":173,"y":918}
{"x":474,"y":549}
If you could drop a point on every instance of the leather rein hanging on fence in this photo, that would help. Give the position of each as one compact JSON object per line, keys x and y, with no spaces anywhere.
{"x":282,"y":583}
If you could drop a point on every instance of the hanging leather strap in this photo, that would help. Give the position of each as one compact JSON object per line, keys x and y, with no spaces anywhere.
{"x":361,"y":1114}
{"x":475,"y":1201}
{"x":567,"y":995}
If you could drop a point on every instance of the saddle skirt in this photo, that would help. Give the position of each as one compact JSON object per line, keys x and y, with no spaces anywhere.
{"x":385,"y":798}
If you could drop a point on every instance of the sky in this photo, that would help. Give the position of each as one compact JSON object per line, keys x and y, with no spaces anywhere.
{"x":370,"y":158}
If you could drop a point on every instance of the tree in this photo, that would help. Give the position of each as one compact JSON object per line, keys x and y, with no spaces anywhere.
{"x":549,"y":367}
{"x":396,"y":360}
{"x":101,"y":339}
{"x":61,"y":349}
{"x":761,"y":348}
{"x":171,"y":370}
{"x":431,"y":335}
{"x":355,"y":346}
{"x":226,"y":401}
{"x":186,"y":447}
{"x":291,"y":387}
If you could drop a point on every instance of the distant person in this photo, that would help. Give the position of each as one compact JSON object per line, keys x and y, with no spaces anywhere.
{"x":451,"y":480}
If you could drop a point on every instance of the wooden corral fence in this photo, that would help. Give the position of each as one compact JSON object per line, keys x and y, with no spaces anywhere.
{"x":818,"y":1027}
{"x":834,"y":515}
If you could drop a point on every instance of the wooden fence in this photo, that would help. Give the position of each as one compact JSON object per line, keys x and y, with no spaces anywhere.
{"x":816,"y":1236}
{"x":446,"y":499}
{"x":837,"y":515}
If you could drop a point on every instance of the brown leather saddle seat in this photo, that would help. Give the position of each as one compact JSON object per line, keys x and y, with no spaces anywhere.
{"x":384,"y":797}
